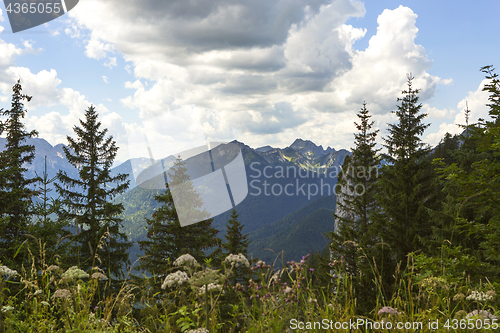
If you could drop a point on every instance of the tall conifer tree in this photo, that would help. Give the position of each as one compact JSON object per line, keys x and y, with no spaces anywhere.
{"x":406,"y":183}
{"x":88,"y":199}
{"x":167,"y":239}
{"x":353,"y":237}
{"x":15,"y":190}
{"x":235,"y":242}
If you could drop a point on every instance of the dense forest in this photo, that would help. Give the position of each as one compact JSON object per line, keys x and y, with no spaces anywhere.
{"x":415,"y":245}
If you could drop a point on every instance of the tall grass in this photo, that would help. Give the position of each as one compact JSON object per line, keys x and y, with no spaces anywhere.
{"x":200,"y":298}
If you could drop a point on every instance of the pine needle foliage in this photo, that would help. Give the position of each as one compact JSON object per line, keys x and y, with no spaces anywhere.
{"x":166,"y":238}
{"x":88,"y":198}
{"x":407,"y":182}
{"x":15,"y":189}
{"x":353,"y":240}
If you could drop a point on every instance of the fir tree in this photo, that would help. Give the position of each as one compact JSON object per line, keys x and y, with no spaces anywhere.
{"x":167,"y":239}
{"x":50,"y":235}
{"x":406,"y":183}
{"x":15,"y":188}
{"x":235,"y":242}
{"x":88,"y":199}
{"x":353,"y":238}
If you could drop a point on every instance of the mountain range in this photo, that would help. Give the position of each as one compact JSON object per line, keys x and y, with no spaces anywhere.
{"x":288,"y":208}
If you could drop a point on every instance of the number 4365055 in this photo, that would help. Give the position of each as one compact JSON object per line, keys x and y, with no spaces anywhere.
{"x":32,"y":8}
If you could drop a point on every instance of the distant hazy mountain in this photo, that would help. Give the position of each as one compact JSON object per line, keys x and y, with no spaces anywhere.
{"x":287,"y":207}
{"x":56,"y":161}
{"x":269,"y":172}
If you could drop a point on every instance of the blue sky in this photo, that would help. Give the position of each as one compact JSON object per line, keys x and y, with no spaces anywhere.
{"x":262,"y":72}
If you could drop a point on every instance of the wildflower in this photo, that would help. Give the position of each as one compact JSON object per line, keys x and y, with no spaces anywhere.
{"x":491,"y":293}
{"x":210,"y":287}
{"x":480,"y":314}
{"x":202,"y":278}
{"x":185,"y":260}
{"x":389,"y":310}
{"x":432,"y":282}
{"x":237,"y":260}
{"x":199,"y":330}
{"x":178,"y":277}
{"x":311,"y":269}
{"x":53,"y":268}
{"x":458,"y":297}
{"x":7,"y":308}
{"x":4,"y":270}
{"x":74,"y":273}
{"x":99,"y":276}
{"x":61,"y":293}
{"x":287,"y":290}
{"x":479,"y":296}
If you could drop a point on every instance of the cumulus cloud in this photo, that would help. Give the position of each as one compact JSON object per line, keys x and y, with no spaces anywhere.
{"x":475,"y":102}
{"x":268,"y":71}
{"x":96,"y":49}
{"x":247,"y":58}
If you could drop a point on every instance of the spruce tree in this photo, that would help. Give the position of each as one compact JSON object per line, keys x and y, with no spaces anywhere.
{"x":88,"y":199}
{"x":166,"y":238}
{"x":50,"y":233}
{"x":354,"y":238}
{"x":15,"y":189}
{"x":235,"y":242}
{"x":407,"y":186}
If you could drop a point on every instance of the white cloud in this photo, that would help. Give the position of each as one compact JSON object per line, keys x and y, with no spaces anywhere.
{"x":111,"y":63}
{"x":476,"y":102}
{"x":96,"y":49}
{"x":436,"y":113}
{"x":42,"y":86}
{"x":105,"y":79}
{"x":73,"y":31}
{"x":266,"y":71}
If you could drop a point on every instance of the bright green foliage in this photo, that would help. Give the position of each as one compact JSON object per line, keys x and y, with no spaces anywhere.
{"x":167,"y":239}
{"x":15,"y":191}
{"x":354,"y":240}
{"x":473,"y":192}
{"x":88,"y":199}
{"x":407,"y":187}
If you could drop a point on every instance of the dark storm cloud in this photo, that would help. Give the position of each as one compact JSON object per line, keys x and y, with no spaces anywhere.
{"x":221,"y":24}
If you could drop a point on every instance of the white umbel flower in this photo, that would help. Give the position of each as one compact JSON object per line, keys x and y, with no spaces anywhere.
{"x":479,"y":296}
{"x":6,"y":271}
{"x":210,"y":287}
{"x":185,"y":260}
{"x":178,"y":277}
{"x":237,"y":260}
{"x":74,"y":273}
